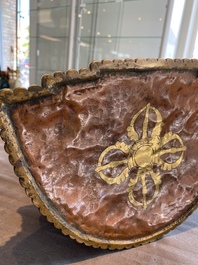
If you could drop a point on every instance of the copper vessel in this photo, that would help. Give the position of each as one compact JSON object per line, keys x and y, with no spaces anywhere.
{"x":108,"y":154}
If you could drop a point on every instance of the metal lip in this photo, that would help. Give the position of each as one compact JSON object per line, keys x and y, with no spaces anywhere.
{"x":50,"y":83}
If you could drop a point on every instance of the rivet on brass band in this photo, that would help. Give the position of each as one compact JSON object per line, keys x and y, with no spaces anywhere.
{"x":145,"y":152}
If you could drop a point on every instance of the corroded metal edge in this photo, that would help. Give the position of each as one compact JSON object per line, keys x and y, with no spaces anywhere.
{"x":96,"y":68}
{"x":50,"y":83}
{"x":17,"y":159}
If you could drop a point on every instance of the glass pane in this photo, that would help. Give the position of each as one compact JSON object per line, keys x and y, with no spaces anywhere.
{"x":54,"y":54}
{"x":53,"y":22}
{"x":52,"y":3}
{"x":49,"y":31}
{"x":95,"y":30}
{"x":143,"y":18}
{"x":121,"y":48}
{"x":120,"y":29}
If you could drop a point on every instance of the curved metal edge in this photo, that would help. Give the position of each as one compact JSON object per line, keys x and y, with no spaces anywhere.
{"x":50,"y":83}
{"x":26,"y":180}
{"x":96,"y":68}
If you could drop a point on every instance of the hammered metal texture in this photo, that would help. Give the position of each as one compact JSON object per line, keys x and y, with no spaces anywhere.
{"x":69,"y":136}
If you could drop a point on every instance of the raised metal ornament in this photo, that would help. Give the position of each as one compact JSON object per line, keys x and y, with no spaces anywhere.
{"x":144,"y":154}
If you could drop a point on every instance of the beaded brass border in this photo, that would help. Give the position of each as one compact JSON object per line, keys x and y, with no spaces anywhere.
{"x":49,"y":85}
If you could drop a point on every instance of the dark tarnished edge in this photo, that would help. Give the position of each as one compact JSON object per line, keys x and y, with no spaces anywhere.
{"x":17,"y":159}
{"x":50,"y":83}
{"x":96,"y":68}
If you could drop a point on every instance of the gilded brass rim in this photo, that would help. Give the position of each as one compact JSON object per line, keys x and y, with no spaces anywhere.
{"x":49,"y":86}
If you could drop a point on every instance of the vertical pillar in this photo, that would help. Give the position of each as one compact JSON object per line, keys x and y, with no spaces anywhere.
{"x":70,"y":60}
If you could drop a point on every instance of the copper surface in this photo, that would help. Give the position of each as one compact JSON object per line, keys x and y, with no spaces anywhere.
{"x":57,"y":134}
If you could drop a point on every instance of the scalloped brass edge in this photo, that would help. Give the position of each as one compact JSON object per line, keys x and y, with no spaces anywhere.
{"x":20,"y":94}
{"x":96,"y":68}
{"x":27,"y":181}
{"x":50,"y":83}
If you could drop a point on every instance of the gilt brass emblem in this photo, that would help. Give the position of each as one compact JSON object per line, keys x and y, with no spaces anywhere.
{"x":146,"y":152}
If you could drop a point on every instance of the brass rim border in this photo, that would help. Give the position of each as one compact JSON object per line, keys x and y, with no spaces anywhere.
{"x":50,"y":83}
{"x":49,"y":86}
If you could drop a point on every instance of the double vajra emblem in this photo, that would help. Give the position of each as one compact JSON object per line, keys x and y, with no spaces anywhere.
{"x":146,"y":152}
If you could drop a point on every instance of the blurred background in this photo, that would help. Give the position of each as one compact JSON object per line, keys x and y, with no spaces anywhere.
{"x":44,"y":36}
